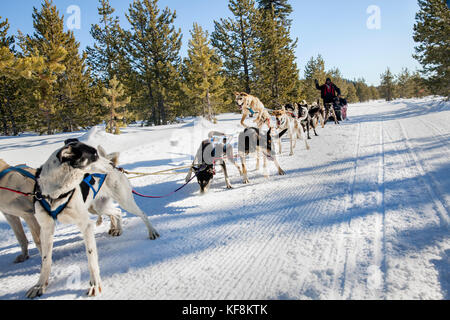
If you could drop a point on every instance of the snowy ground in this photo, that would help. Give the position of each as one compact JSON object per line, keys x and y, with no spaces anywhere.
{"x":363,"y":215}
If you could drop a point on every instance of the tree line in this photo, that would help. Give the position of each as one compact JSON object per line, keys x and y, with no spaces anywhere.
{"x":432,"y":36}
{"x":48,"y":86}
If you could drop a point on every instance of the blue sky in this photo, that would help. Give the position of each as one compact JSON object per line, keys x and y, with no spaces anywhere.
{"x":335,"y":29}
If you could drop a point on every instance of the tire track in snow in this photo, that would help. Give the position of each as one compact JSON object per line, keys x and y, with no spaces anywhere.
{"x":327,"y":256}
{"x":440,"y":133}
{"x":339,"y":285}
{"x":363,"y":281}
{"x":293,"y":242}
{"x":416,"y":231}
{"x":427,"y":180}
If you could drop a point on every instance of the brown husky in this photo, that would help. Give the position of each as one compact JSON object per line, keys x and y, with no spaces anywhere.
{"x":251,"y":105}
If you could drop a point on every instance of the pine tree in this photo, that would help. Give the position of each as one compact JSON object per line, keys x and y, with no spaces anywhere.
{"x":432,"y":33}
{"x":374,"y":94}
{"x":48,"y":42}
{"x":387,"y":86}
{"x":314,"y":69}
{"x":72,"y":89}
{"x":6,"y":42}
{"x":362,"y":90}
{"x":153,"y":47}
{"x":419,"y":86}
{"x":276,"y":70}
{"x":351,"y":93}
{"x":11,"y":65}
{"x":106,"y":57}
{"x":15,"y":70}
{"x":281,"y":8}
{"x":337,"y":78}
{"x":405,"y":84}
{"x":7,"y":86}
{"x":234,"y":38}
{"x":115,"y":101}
{"x":203,"y":83}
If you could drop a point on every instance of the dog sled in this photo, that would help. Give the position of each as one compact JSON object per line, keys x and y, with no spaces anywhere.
{"x":340,"y":109}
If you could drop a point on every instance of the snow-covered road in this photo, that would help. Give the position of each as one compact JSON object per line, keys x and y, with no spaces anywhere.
{"x":364,"y":214}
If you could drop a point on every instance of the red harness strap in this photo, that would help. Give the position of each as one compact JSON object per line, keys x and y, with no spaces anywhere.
{"x":16,"y":191}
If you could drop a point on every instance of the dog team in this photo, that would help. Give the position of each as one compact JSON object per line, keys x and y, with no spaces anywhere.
{"x":78,"y":180}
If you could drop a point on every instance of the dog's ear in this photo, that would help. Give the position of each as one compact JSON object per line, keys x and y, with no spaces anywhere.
{"x":101,"y":151}
{"x":114,"y":158}
{"x":283,"y":108}
{"x":65,"y":154}
{"x":69,"y":141}
{"x":237,"y":94}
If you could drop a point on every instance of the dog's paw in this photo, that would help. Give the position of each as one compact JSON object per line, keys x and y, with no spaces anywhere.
{"x":229,"y":187}
{"x":99,"y":221}
{"x":21,"y":258}
{"x":291,"y":154}
{"x":245,"y":181}
{"x":36,"y":291}
{"x":281,"y":172}
{"x":115,"y":232}
{"x":153,"y":234}
{"x":94,"y":290}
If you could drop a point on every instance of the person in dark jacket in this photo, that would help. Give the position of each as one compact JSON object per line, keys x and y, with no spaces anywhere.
{"x":329,"y":91}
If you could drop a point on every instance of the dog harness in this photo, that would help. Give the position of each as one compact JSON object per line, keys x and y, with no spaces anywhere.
{"x":18,"y":169}
{"x":86,"y":185}
{"x":89,"y":181}
{"x":252,"y":111}
{"x":47,"y":206}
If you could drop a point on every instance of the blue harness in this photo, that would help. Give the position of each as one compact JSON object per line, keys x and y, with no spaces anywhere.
{"x":46,"y":205}
{"x":88,"y":181}
{"x":251,"y":111}
{"x":18,"y":169}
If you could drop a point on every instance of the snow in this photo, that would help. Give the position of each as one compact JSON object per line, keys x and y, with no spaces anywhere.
{"x":363,"y":215}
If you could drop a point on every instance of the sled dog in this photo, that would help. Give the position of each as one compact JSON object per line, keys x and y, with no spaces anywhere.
{"x":62,"y":195}
{"x":15,"y":206}
{"x":254,"y":141}
{"x":210,"y":154}
{"x":250,"y":106}
{"x":288,"y":121}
